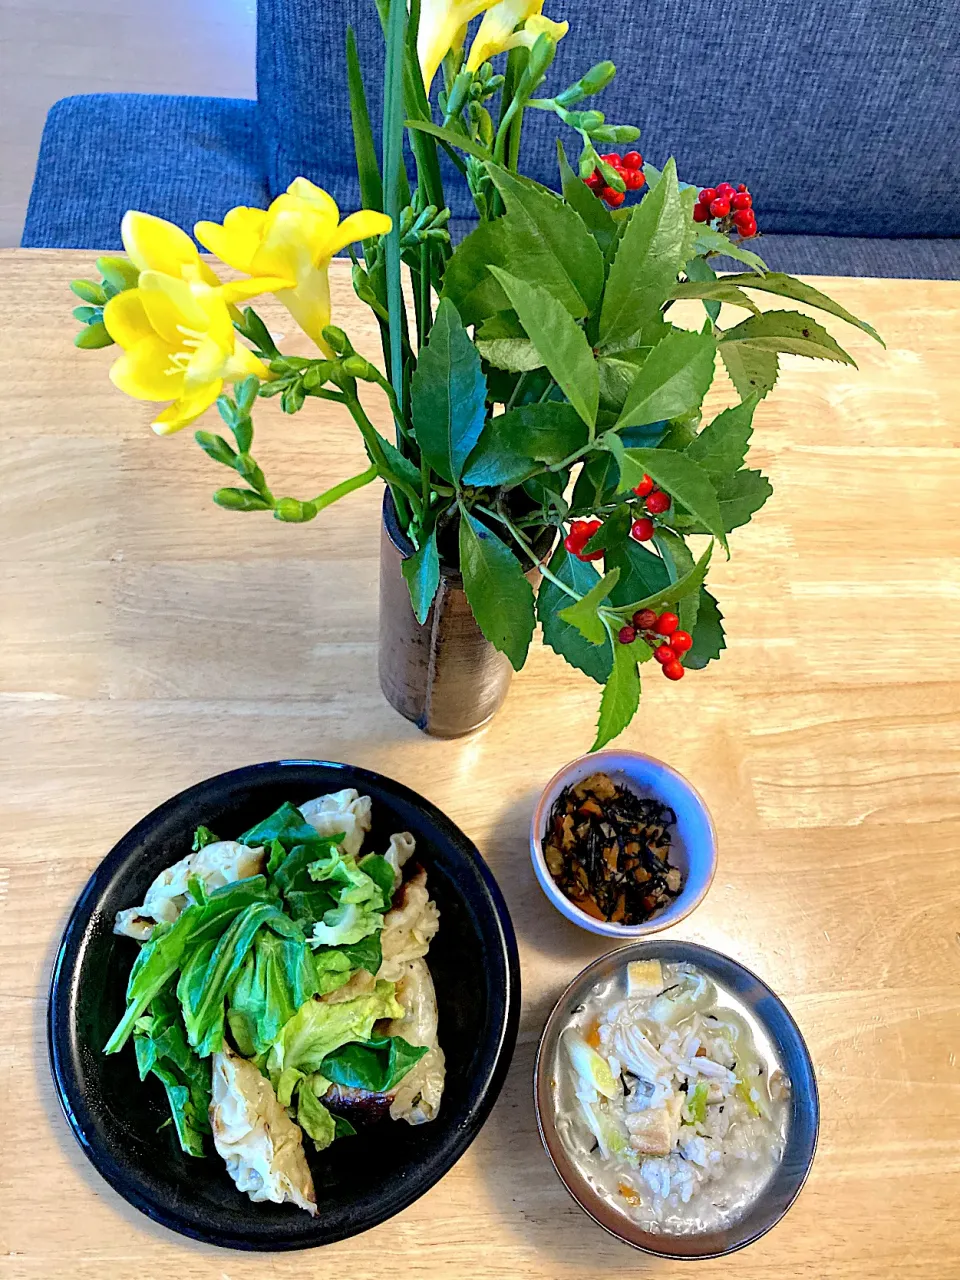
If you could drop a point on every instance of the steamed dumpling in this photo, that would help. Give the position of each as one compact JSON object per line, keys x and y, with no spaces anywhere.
{"x":343,"y":812}
{"x":408,"y":927}
{"x":261,"y":1145}
{"x":399,"y":851}
{"x":417,"y":1096}
{"x":216,"y":864}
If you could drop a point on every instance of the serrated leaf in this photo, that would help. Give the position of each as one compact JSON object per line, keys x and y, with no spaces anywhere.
{"x":641,"y":572}
{"x":621,"y":695}
{"x":421,"y":572}
{"x":467,"y":281}
{"x":679,"y":561}
{"x":790,"y":332}
{"x":512,"y":445}
{"x":581,"y":199}
{"x":448,"y":395}
{"x":499,"y":595}
{"x":739,"y":496}
{"x":651,"y":252}
{"x":560,"y":341}
{"x":672,"y":381}
{"x":597,"y":482}
{"x":788,"y":287}
{"x":707,"y":635}
{"x":721,"y":446}
{"x":549,"y":243}
{"x":501,"y":341}
{"x":710,"y":241}
{"x":593,"y":660}
{"x":674,"y":591}
{"x":583,"y":614}
{"x":685,"y":481}
{"x":752,"y":370}
{"x":720,"y":290}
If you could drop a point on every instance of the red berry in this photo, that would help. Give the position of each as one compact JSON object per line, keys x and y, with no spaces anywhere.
{"x":720,"y":207}
{"x":701,"y":213}
{"x":708,"y":195}
{"x":644,"y":487}
{"x":748,"y":230}
{"x":743,"y":217}
{"x":658,"y":502}
{"x":663,"y":653}
{"x":742,"y":186}
{"x":612,"y":158}
{"x":644,"y":619}
{"x":633,"y":160}
{"x":572,"y":544}
{"x":725,"y":189}
{"x":667,"y":623}
{"x":595,"y":181}
{"x":615,"y":198}
{"x":681,"y":641}
{"x":673,"y":670}
{"x":641,"y":530}
{"x":741,"y":200}
{"x":626,"y":635}
{"x":634,"y":179}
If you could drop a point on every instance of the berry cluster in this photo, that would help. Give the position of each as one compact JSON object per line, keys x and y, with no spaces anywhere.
{"x":630,"y":169}
{"x":655,"y":501}
{"x":581,"y":531}
{"x":732,"y":205}
{"x":663,"y":635}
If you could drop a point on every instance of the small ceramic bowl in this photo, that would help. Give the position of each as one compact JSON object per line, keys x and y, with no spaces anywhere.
{"x":693,"y":847}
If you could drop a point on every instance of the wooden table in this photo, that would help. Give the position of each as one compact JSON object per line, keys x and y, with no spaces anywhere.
{"x":150,"y":640}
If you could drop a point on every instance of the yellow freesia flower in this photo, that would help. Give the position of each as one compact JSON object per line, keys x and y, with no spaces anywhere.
{"x":178,"y":344}
{"x":153,"y":244}
{"x":288,"y":248}
{"x":443,"y":26}
{"x":497,"y":31}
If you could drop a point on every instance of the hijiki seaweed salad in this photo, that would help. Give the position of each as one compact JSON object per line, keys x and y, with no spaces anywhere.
{"x":608,"y":850}
{"x":281,"y":990}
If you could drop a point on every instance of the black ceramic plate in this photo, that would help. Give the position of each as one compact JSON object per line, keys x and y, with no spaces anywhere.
{"x":803,"y":1124}
{"x":359,"y":1181}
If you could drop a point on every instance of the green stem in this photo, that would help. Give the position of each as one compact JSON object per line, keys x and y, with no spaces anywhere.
{"x":338,"y":491}
{"x":372,"y":441}
{"x":528,"y":549}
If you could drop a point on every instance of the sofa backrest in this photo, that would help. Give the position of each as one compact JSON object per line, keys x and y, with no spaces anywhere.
{"x":843,"y":118}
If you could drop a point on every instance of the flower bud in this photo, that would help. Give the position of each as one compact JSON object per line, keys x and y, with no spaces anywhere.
{"x":597,"y":78}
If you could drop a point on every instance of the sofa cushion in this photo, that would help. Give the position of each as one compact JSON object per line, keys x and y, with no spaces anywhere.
{"x":181,"y":158}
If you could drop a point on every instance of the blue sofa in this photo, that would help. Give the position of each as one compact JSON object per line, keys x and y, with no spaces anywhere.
{"x":844,"y":120}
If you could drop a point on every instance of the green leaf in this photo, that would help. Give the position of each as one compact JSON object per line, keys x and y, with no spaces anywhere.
{"x":499,"y":595}
{"x":286,"y":824}
{"x":448,"y":395}
{"x":368,"y":169}
{"x":651,"y":252}
{"x":674,"y":591}
{"x":621,"y":695}
{"x":202,"y":837}
{"x":593,"y":660}
{"x":467,"y":281}
{"x":87,"y":291}
{"x":582,"y":200}
{"x":708,"y":639}
{"x":549,"y":244}
{"x":722,"y":446}
{"x":720,"y":290}
{"x":787,"y":287}
{"x":685,"y":481}
{"x":672,"y":381}
{"x":451,"y":137}
{"x":710,"y":241}
{"x":597,"y":482}
{"x":612,"y":532}
{"x":513,"y":444}
{"x":700,"y":269}
{"x":421,"y":572}
{"x":501,"y":341}
{"x":741,"y":496}
{"x":93,"y":337}
{"x":376,"y":1066}
{"x":583,"y":614}
{"x":752,"y":370}
{"x":560,"y":341}
{"x":641,"y":572}
{"x":314,"y":1118}
{"x":678,"y":558}
{"x":790,"y":332}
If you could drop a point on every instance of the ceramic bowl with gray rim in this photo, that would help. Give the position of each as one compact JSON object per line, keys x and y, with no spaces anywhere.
{"x":741,"y":987}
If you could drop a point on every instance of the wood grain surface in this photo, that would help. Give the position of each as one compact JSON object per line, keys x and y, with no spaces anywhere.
{"x":148,"y":639}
